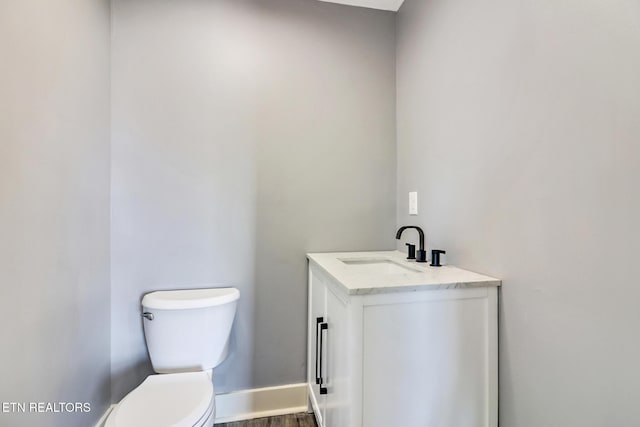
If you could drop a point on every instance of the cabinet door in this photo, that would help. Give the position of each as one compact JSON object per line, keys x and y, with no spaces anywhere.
{"x":335,"y":370}
{"x":317,"y":316}
{"x":429,"y":360}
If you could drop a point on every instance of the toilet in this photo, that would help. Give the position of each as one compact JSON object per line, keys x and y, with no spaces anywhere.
{"x":187,"y":335}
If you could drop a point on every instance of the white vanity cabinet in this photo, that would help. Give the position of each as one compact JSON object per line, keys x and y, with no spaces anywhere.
{"x":391,"y":348}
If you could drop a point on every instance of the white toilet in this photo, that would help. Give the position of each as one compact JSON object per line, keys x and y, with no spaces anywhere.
{"x":187,"y":334}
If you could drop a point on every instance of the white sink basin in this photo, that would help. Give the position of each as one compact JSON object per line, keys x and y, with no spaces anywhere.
{"x":377,"y":266}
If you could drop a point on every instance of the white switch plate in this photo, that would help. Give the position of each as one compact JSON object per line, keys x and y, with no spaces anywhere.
{"x":413,"y":203}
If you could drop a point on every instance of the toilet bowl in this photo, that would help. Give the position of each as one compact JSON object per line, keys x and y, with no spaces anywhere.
{"x":177,"y":400}
{"x":187,"y":334}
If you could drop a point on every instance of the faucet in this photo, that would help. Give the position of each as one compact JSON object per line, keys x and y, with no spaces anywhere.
{"x":421,"y":255}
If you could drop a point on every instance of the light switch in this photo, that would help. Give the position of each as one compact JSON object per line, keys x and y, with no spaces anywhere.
{"x":413,"y":203}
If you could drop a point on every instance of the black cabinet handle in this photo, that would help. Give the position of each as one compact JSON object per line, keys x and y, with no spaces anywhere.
{"x":323,"y":327}
{"x":319,"y":321}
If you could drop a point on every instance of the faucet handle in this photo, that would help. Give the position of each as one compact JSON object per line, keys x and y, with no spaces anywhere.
{"x":411,"y":251}
{"x":435,"y":257}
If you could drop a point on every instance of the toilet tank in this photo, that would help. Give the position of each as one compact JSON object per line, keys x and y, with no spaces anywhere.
{"x":188,"y":330}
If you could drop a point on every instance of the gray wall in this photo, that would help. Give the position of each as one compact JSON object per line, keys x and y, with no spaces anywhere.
{"x":518,"y":123}
{"x":245,"y":134}
{"x":54,"y":207}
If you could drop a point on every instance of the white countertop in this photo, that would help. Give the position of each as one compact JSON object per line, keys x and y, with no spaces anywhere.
{"x":359,"y":279}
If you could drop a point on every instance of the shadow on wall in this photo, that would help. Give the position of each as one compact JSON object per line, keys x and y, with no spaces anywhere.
{"x":129,"y":377}
{"x":320,"y":109}
{"x":236,"y":149}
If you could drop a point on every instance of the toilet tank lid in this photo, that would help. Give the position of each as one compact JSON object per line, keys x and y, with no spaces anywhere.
{"x":189,"y":298}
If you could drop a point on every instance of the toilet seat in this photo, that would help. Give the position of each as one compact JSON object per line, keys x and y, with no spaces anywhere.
{"x":167,"y":400}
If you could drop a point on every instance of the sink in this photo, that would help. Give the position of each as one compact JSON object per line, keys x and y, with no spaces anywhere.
{"x":377,"y":266}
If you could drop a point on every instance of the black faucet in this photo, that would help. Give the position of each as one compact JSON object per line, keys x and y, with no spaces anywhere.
{"x":421,"y":255}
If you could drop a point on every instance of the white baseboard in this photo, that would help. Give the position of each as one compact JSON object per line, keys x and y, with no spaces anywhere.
{"x":261,"y":402}
{"x":103,"y":419}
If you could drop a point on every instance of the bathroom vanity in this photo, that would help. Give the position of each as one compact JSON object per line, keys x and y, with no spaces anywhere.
{"x":399,"y":343}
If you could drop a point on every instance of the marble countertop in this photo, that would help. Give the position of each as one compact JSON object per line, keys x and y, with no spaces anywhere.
{"x":364,"y":273}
